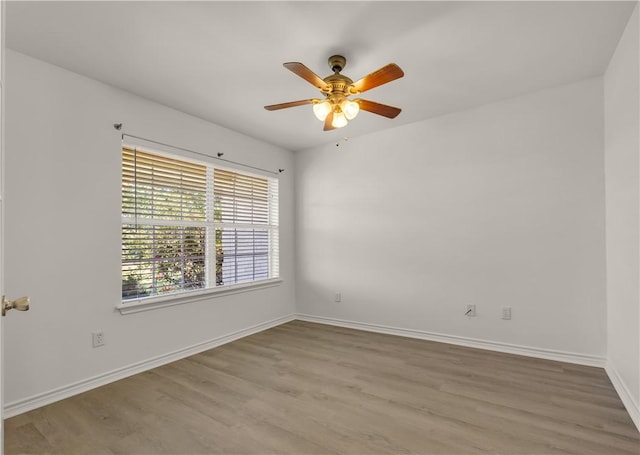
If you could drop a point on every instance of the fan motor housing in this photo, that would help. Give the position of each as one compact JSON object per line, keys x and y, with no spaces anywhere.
{"x":338,"y":82}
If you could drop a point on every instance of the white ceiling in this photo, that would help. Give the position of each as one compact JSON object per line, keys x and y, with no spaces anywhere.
{"x":222,"y":61}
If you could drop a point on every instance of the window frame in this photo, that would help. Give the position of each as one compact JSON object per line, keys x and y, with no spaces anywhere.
{"x":144,"y":303}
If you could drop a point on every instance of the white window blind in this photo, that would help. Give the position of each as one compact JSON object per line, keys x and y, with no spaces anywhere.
{"x":192,"y":226}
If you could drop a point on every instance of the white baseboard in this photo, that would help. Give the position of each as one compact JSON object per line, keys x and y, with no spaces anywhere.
{"x":631,"y":405}
{"x":570,"y":357}
{"x":42,"y":399}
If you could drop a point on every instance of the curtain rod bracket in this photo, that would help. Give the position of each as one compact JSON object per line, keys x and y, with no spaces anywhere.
{"x":280,"y":170}
{"x":117,"y":126}
{"x":220,"y":154}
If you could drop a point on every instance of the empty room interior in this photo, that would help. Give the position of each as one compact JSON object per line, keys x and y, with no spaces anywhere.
{"x":321,"y":227}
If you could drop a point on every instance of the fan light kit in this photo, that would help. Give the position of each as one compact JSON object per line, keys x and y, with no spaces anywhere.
{"x":336,"y":109}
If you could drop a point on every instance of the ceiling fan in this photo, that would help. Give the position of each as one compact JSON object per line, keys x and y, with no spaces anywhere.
{"x":336,"y":109}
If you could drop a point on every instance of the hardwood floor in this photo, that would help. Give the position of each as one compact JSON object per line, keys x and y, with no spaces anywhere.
{"x":304,"y":388}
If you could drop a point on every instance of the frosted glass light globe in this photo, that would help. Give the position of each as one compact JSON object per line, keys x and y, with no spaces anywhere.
{"x":339,"y":120}
{"x":350,"y":109}
{"x":321,"y":110}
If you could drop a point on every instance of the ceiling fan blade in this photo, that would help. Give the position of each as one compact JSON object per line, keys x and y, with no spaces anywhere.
{"x":328,"y":122}
{"x":275,"y":107}
{"x":388,"y":73}
{"x":377,"y":108}
{"x":306,"y":74}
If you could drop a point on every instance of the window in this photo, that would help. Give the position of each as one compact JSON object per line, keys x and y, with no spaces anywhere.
{"x":189,"y":226}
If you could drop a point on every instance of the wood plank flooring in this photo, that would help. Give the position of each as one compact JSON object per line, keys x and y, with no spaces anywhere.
{"x":304,"y":388}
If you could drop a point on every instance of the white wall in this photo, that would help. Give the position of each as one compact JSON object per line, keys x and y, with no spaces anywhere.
{"x":63,"y":230}
{"x":622,"y":147}
{"x":499,"y":205}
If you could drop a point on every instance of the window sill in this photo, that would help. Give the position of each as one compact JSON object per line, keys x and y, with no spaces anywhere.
{"x":154,"y":303}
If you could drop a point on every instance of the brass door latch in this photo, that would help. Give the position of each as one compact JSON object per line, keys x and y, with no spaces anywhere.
{"x":21,"y":304}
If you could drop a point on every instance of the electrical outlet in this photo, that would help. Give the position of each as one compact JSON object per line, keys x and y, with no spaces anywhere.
{"x":506,"y":312}
{"x":337,"y":297}
{"x":98,"y":339}
{"x":470,"y":311}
